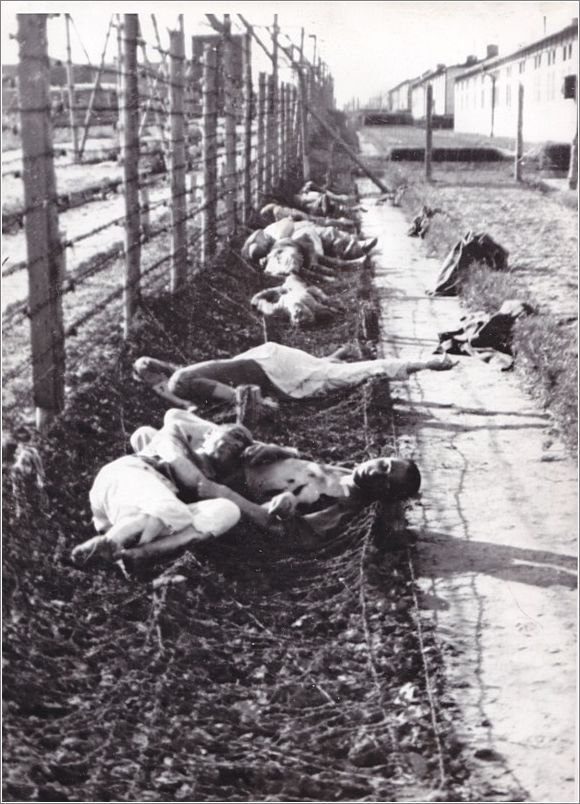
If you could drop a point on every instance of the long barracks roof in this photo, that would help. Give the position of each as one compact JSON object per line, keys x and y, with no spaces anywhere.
{"x":402,"y":83}
{"x":497,"y":61}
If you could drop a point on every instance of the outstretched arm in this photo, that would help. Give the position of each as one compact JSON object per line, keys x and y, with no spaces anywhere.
{"x":258,"y":514}
{"x":162,"y":390}
{"x":434,"y":364}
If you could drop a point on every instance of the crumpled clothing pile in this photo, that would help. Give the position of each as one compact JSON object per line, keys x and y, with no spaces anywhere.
{"x":487,"y":336}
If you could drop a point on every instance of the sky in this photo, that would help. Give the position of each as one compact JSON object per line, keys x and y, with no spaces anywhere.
{"x":368,"y":45}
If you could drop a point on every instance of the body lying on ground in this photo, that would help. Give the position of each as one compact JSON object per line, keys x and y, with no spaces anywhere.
{"x":278,"y":370}
{"x":328,"y":244}
{"x":297,"y":302}
{"x":324,"y":202}
{"x":289,"y":486}
{"x":275,"y":212}
{"x":152,"y":503}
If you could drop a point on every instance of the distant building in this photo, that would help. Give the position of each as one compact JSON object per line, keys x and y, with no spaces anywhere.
{"x":442,"y":80}
{"x":400,"y":96}
{"x":486,"y":96}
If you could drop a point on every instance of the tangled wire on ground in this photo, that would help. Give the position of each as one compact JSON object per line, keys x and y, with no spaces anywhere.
{"x":253,"y":669}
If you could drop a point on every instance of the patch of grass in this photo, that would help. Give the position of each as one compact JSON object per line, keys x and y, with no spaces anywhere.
{"x":545,"y":346}
{"x":540,"y":235}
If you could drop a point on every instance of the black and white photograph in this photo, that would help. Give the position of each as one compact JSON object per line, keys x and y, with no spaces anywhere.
{"x":290,"y":401}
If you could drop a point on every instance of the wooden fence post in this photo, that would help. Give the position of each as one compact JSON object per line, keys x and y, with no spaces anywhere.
{"x":573,"y":167}
{"x":519,"y":134}
{"x":428,"y":131}
{"x":43,"y":246}
{"x":261,"y":139}
{"x":303,"y":89}
{"x":293,"y":133}
{"x":282,"y":171}
{"x":130,"y":154}
{"x":247,"y":179}
{"x":270,"y":124}
{"x":209,"y":152}
{"x":230,"y":127}
{"x":177,"y":161}
{"x":72,"y":104}
{"x":120,"y":90}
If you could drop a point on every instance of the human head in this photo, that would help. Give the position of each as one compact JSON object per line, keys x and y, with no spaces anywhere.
{"x":225,"y":443}
{"x":387,"y":478}
{"x":287,"y":257}
{"x":151,"y":371}
{"x":267,"y":213}
{"x":257,"y":246}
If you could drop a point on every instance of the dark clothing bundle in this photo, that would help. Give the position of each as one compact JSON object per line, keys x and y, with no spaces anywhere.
{"x":474,"y":248}
{"x":421,"y":222}
{"x":486,"y":335}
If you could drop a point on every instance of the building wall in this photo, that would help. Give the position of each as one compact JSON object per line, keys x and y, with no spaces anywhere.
{"x":400,"y":98}
{"x":439,"y":84}
{"x":547,"y":114}
{"x":418,"y":101}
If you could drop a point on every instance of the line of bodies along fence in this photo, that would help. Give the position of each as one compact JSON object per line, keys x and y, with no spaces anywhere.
{"x":273,"y":140}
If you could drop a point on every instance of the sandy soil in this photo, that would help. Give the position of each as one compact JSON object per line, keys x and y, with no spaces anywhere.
{"x":496,"y":534}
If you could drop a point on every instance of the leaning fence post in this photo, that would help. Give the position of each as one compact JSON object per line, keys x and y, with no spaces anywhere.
{"x":247,"y":180}
{"x":230,"y":127}
{"x":130,"y":155}
{"x":261,"y":138}
{"x":209,"y":152}
{"x":177,"y":161}
{"x":428,"y":131}
{"x":43,"y":247}
{"x":519,"y":134}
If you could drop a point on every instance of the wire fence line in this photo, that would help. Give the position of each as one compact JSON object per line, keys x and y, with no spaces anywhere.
{"x":226,"y":141}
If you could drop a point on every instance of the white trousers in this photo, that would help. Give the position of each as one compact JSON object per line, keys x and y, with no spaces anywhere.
{"x":128,"y":487}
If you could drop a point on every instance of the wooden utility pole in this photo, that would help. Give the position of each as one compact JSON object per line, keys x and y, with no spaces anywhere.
{"x":519,"y":134}
{"x":130,"y":153}
{"x":428,"y":131}
{"x":573,"y":169}
{"x":43,"y":247}
{"x":71,"y":92}
{"x":261,"y":139}
{"x":247,"y":180}
{"x":230,"y":126}
{"x":177,"y":161}
{"x":209,"y":152}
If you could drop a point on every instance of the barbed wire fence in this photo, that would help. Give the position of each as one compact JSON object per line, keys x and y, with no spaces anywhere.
{"x":201,"y":144}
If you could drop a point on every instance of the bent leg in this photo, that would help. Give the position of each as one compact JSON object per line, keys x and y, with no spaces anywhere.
{"x":214,"y":517}
{"x":199,"y":389}
{"x":210,"y":518}
{"x":110,"y":544}
{"x":162,"y":548}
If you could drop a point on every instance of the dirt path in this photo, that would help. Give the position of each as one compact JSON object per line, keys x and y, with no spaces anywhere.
{"x":496,"y":526}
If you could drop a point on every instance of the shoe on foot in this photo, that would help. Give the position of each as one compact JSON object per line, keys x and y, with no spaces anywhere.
{"x":97,"y":547}
{"x":368,"y":245}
